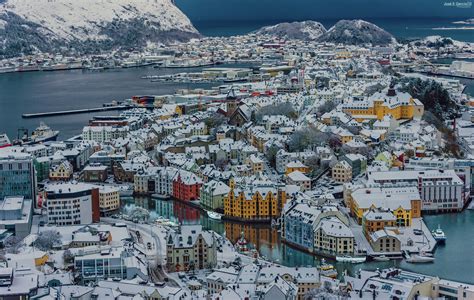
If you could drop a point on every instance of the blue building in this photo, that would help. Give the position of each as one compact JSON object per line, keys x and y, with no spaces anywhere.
{"x":17,"y":175}
{"x":300,"y":221}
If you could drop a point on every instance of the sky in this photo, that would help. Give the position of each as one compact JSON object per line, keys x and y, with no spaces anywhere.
{"x":241,"y":10}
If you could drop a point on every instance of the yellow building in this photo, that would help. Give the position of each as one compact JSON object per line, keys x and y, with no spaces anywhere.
{"x":296,"y":165}
{"x":254,"y":202}
{"x":403,"y":202}
{"x":62,"y":171}
{"x":389,"y":102}
{"x":109,"y":200}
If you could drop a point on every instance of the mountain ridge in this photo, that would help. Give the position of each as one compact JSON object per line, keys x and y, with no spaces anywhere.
{"x":26,"y":26}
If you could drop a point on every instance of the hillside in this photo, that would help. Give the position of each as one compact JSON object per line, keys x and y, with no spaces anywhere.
{"x":306,"y":30}
{"x":102,"y":24}
{"x":357,"y":32}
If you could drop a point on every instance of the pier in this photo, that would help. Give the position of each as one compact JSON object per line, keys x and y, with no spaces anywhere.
{"x":75,"y":111}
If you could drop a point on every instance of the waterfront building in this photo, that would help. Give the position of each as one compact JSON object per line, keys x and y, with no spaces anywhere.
{"x":440,"y":190}
{"x":316,"y":228}
{"x":109,"y":200}
{"x":334,"y":237}
{"x":377,"y":219}
{"x":190,"y":248}
{"x":186,"y":186}
{"x":17,"y":174}
{"x":254,"y":201}
{"x":342,"y":172}
{"x":385,"y":241}
{"x":72,"y":204}
{"x":213,"y":193}
{"x":16,"y":216}
{"x":164,"y":181}
{"x":104,"y":134}
{"x":403,"y":202}
{"x":388,"y":102}
{"x":114,"y":263}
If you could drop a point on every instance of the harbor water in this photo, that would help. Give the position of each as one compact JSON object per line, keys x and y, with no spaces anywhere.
{"x":450,"y":260}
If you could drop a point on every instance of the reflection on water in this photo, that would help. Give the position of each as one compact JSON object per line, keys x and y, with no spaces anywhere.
{"x":450,"y":260}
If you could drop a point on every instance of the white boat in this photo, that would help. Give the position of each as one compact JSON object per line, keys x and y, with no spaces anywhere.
{"x":381,"y":258}
{"x":41,"y":134}
{"x":350,"y":259}
{"x":420,"y":258}
{"x":439,"y":235}
{"x":213,"y":215}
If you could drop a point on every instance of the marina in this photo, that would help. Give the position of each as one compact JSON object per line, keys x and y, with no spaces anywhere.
{"x":448,"y":257}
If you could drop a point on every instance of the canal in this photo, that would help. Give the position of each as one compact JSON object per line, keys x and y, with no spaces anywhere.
{"x":453,"y":261}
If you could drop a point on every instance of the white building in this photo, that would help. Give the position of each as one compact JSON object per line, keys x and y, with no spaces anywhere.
{"x":440,"y":190}
{"x":72,"y":204}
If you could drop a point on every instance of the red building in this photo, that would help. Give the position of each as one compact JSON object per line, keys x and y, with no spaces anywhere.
{"x":186,"y":186}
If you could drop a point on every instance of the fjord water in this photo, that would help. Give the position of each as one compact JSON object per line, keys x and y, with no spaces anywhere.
{"x":453,"y":260}
{"x":77,"y":89}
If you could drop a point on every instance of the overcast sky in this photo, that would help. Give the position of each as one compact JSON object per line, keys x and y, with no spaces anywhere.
{"x":202,"y":10}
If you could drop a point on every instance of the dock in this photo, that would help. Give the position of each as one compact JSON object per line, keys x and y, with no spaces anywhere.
{"x":75,"y":111}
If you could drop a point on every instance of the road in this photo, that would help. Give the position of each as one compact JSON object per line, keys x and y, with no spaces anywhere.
{"x":155,"y":254}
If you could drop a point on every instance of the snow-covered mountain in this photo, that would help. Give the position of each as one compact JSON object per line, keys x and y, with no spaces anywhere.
{"x":356,"y":32}
{"x":306,"y":30}
{"x":42,"y":24}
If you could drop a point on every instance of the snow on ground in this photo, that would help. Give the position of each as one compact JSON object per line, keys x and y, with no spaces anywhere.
{"x":79,"y":19}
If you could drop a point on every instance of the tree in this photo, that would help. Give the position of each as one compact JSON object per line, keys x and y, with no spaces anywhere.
{"x":68,"y":257}
{"x":284,"y":109}
{"x":326,"y":107}
{"x":13,"y":244}
{"x":432,"y":94}
{"x":215,"y":120}
{"x":271,"y":154}
{"x":47,"y":240}
{"x":221,"y":163}
{"x":304,"y":138}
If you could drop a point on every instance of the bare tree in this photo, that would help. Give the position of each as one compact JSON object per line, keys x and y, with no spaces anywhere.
{"x":326,"y":107}
{"x":47,"y":240}
{"x":284,"y":109}
{"x":13,"y":244}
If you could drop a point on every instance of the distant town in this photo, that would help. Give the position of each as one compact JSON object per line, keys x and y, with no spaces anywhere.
{"x":341,"y":149}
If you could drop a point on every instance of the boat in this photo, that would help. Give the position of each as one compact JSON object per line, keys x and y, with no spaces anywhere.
{"x":420,"y":258}
{"x":55,"y":67}
{"x":4,"y":141}
{"x":381,"y":258}
{"x":213,"y":215}
{"x":439,"y":235}
{"x":41,"y":134}
{"x":350,"y":259}
{"x":327,"y":270}
{"x":7,"y":69}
